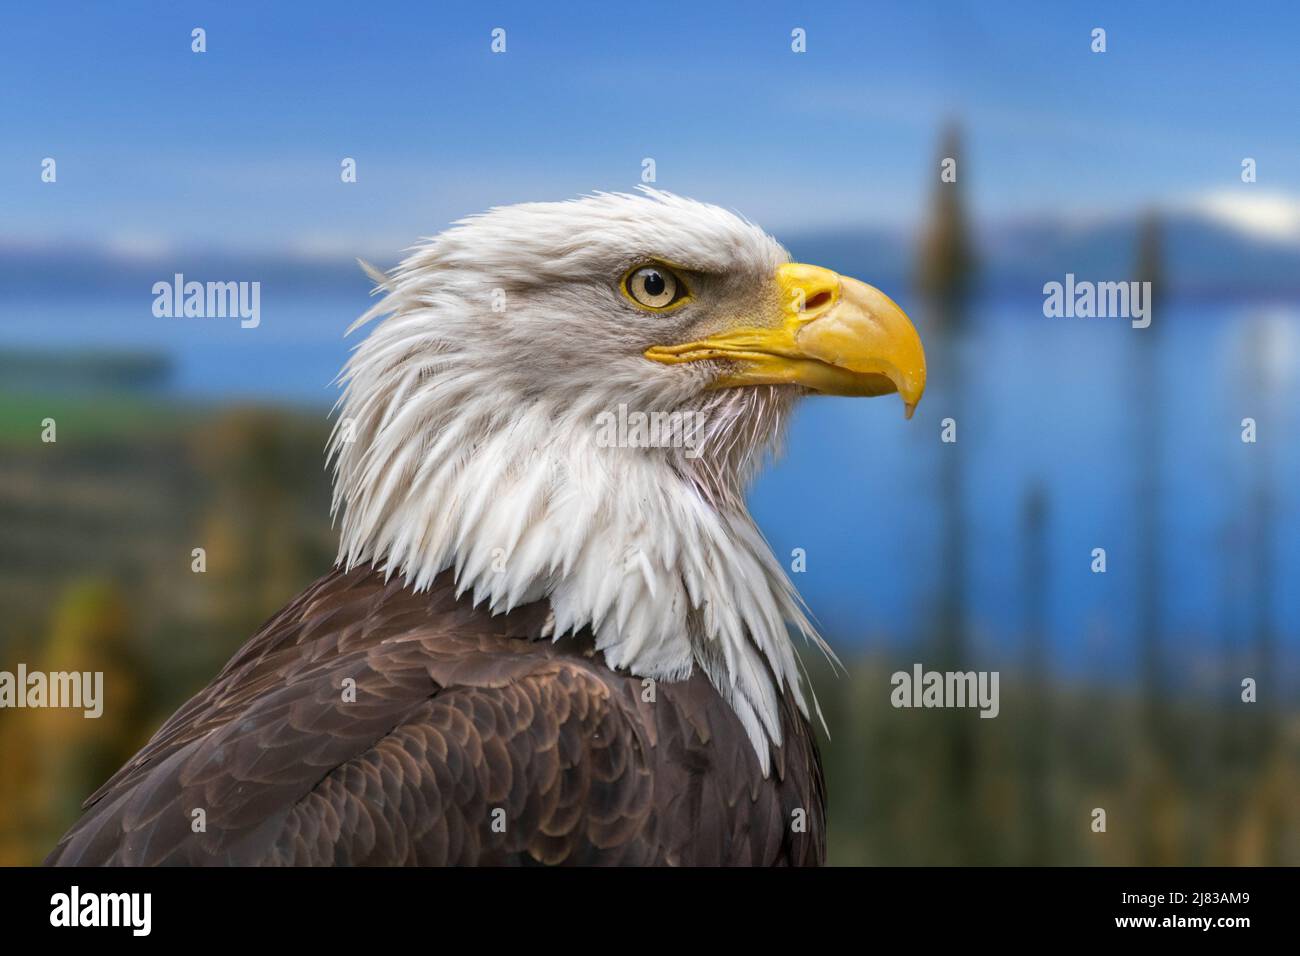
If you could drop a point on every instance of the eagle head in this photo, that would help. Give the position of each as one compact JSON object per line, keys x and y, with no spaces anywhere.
{"x":565,"y":402}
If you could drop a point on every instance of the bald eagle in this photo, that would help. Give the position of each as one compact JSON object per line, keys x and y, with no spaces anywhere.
{"x":546,"y":640}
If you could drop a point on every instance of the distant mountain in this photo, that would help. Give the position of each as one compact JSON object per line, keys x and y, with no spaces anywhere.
{"x":81,"y":268}
{"x":1204,"y":254}
{"x":75,"y":373}
{"x":1207,"y":253}
{"x":1201,"y":256}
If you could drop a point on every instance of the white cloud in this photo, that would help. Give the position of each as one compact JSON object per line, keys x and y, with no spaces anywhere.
{"x":1272,"y":217}
{"x":137,"y":246}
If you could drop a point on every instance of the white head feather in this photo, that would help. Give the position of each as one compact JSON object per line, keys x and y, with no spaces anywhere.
{"x":468,"y":440}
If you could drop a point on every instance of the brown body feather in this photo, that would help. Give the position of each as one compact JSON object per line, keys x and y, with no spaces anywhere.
{"x":468,"y":741}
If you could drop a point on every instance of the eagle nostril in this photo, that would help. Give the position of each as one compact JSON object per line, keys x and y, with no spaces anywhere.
{"x":816,"y":301}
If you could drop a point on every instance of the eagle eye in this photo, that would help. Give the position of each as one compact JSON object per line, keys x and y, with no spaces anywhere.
{"x":654,"y":287}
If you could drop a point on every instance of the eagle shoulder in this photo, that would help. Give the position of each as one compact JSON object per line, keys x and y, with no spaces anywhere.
{"x":369,"y":724}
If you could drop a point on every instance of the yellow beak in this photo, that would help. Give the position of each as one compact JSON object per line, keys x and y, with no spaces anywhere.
{"x":829,"y":333}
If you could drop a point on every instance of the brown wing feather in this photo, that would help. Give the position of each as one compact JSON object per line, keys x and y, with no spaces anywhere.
{"x":466,"y":743}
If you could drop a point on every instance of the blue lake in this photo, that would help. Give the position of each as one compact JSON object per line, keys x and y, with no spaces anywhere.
{"x":1051,"y":403}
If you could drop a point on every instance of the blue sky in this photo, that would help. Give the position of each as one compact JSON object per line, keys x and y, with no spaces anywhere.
{"x":241,"y":146}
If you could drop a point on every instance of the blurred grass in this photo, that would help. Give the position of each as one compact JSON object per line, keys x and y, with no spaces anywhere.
{"x":1224,"y":796}
{"x":98,"y":530}
{"x":107,"y":417}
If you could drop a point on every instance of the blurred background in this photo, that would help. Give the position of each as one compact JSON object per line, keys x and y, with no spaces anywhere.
{"x":1119,"y":690}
